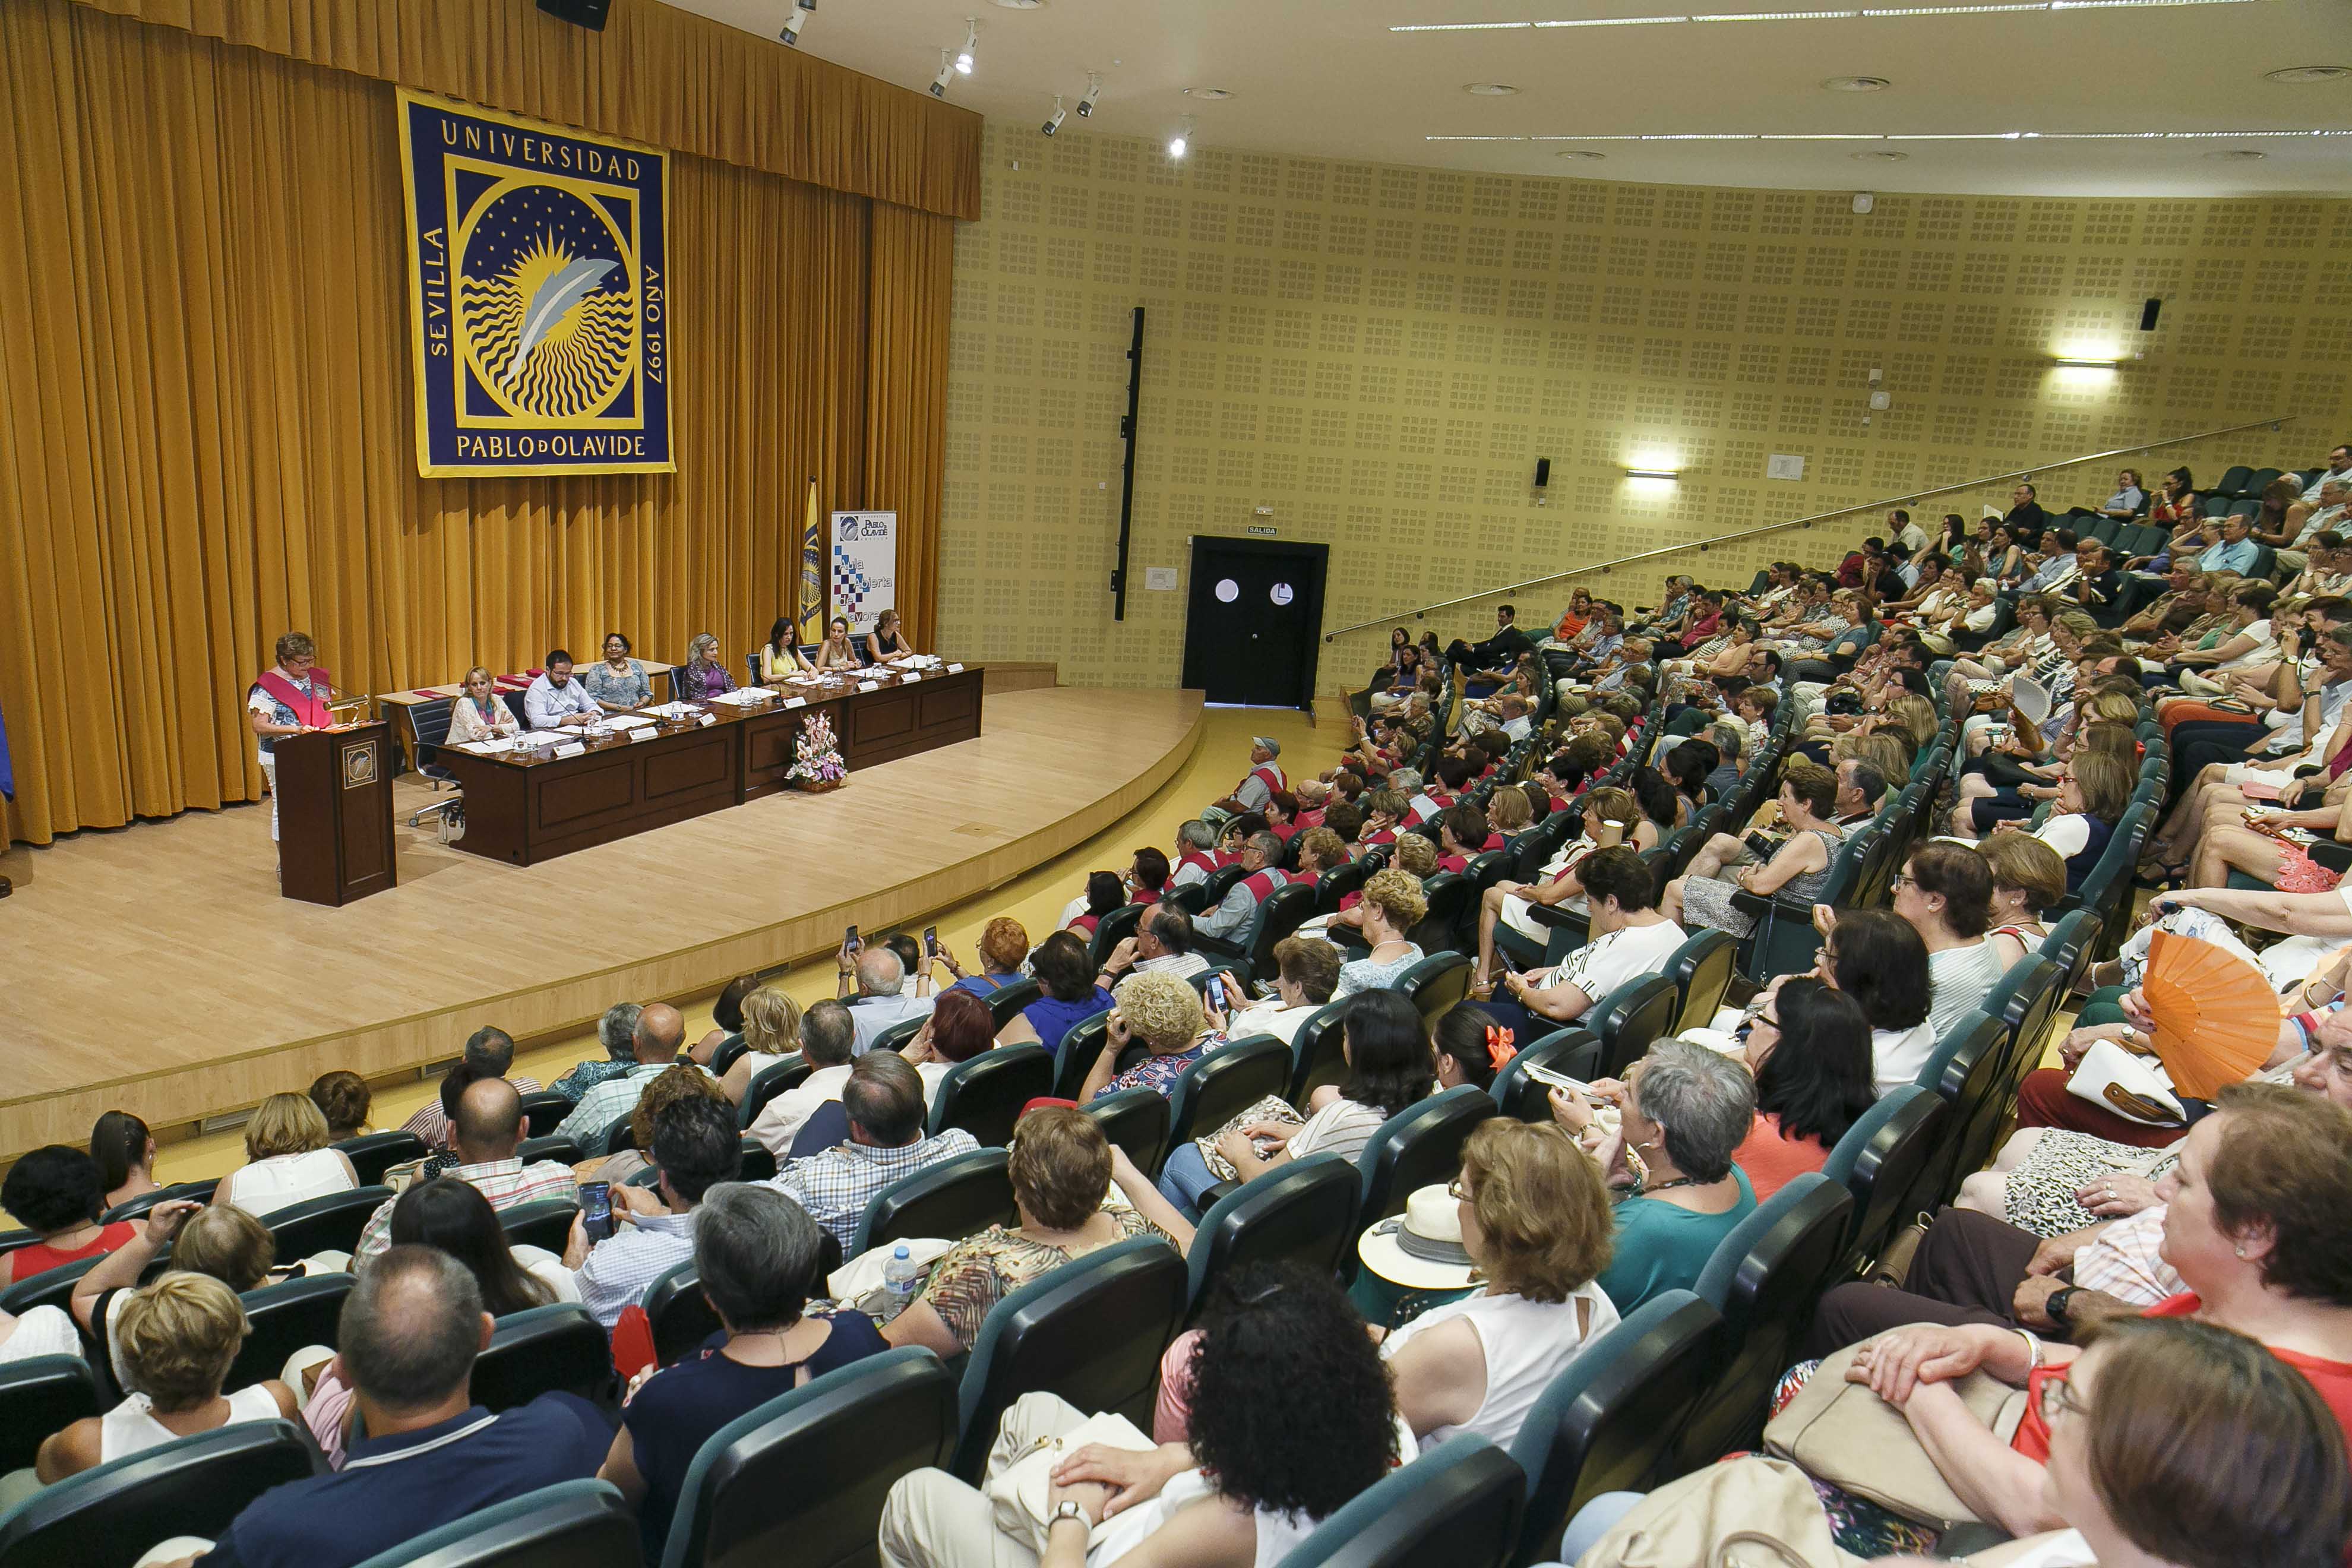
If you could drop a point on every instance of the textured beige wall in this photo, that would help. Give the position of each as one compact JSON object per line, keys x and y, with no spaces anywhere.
{"x":1382,"y":354}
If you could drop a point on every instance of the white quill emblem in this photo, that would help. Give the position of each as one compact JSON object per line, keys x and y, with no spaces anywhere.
{"x":549,"y":303}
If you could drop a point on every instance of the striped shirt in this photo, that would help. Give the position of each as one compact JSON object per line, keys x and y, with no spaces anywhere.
{"x":508,"y":1183}
{"x":835,"y":1185}
{"x":607,"y":1103}
{"x":432,"y":1123}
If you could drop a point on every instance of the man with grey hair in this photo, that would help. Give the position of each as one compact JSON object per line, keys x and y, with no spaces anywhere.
{"x":654,"y":1044}
{"x":410,"y":1332}
{"x":617,"y":1031}
{"x":1262,"y":874}
{"x":490,"y":1052}
{"x":1196,"y":856}
{"x":881,"y":1002}
{"x":828,"y":1042}
{"x":884,"y":1099}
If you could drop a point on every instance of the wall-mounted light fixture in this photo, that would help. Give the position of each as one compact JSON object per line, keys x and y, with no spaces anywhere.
{"x":1653,"y":473}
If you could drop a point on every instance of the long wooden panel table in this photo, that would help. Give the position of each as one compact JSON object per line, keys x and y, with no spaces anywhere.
{"x":527,"y":806}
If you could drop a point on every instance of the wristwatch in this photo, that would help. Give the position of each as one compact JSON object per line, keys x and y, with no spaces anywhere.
{"x":2055,"y":1303}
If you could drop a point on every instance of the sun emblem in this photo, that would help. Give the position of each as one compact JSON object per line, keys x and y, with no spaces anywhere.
{"x":549,"y":333}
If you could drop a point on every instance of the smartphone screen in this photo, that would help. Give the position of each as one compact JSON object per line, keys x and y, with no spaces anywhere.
{"x":930,"y":939}
{"x":849,"y":940}
{"x":596,"y":1210}
{"x":1216,"y":994}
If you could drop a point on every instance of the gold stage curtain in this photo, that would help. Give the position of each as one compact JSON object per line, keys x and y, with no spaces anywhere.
{"x":657,"y":74}
{"x":206,"y":416}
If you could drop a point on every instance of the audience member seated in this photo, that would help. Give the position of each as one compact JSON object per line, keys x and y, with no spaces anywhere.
{"x":2027,"y":878}
{"x":459,"y":1218}
{"x":1799,"y":867}
{"x":881,"y":1002}
{"x":1390,"y":1068}
{"x":1066,"y":975}
{"x":1162,"y":944}
{"x":483,"y":1135}
{"x":1061,"y":1170}
{"x":884,"y":1100}
{"x":177,"y":1338}
{"x":218,"y":1240}
{"x":1004,"y":949}
{"x":125,"y":1150}
{"x":773,"y":1028}
{"x":1469,"y":1048}
{"x":617,"y":1031}
{"x":344,"y":1099}
{"x":1628,"y":938}
{"x":1392,"y":905}
{"x":827,"y":1037}
{"x":1295,"y":1417}
{"x":1946,"y":892}
{"x":1809,"y":1046}
{"x":1307,"y":973}
{"x":489,"y":1053}
{"x":289,"y":1160}
{"x":1611,"y":817}
{"x":1106,"y":891}
{"x":696,"y":1147}
{"x":1876,"y":956}
{"x":1262,"y":866}
{"x":1682,"y":1111}
{"x":1160,"y":1015}
{"x":757,"y":1262}
{"x":958,"y":1029}
{"x":655,"y":1042}
{"x":410,"y":1332}
{"x":1258,"y":784}
{"x":2259,"y":1225}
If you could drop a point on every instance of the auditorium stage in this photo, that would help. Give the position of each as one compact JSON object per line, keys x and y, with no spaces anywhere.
{"x":156,"y":970}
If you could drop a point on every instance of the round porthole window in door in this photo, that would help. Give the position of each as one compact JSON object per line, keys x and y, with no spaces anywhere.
{"x":1281,"y":594}
{"x":1227,"y":590}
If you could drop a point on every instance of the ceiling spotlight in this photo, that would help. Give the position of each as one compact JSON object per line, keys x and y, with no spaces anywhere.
{"x":2300,"y":76}
{"x":1019,"y":4}
{"x":940,"y":83}
{"x":1094,"y":94}
{"x":790,"y":35}
{"x":971,"y":42}
{"x":1181,"y":142}
{"x":2238,"y":154}
{"x":1879,"y":157}
{"x":1208,"y":94}
{"x":1857,"y":84}
{"x":1580,"y":152}
{"x":1054,"y":120}
{"x":1489,"y":89}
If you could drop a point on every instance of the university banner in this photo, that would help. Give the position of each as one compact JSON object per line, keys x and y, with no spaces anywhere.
{"x":865,"y":567}
{"x":538,"y":295}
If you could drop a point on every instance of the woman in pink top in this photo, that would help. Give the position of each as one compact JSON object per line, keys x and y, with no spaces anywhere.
{"x":1809,"y":1050}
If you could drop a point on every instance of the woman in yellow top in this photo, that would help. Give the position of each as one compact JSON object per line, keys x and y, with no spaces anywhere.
{"x":780,"y":655}
{"x":836,"y":652}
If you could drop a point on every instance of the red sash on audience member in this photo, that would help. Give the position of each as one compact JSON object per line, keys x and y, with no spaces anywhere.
{"x":1494,"y":842}
{"x":1285,"y":832}
{"x":1199,"y":861}
{"x":1452,"y":863}
{"x":1310,"y":819}
{"x":2340,"y":760}
{"x":1263,"y":883}
{"x":306,"y":708}
{"x":1270,"y":774}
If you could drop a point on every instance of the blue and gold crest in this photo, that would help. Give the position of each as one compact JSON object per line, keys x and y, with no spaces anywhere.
{"x":539,"y":296}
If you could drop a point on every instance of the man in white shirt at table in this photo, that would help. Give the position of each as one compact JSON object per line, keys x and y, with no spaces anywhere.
{"x":556,"y":702}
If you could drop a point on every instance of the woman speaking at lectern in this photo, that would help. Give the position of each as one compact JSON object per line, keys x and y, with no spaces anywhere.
{"x":288,"y":699}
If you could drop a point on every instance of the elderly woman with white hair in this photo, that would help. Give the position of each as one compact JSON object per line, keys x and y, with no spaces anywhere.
{"x":1163,"y":1015}
{"x":704,"y":675}
{"x":617,"y":1031}
{"x":1682,"y":1111}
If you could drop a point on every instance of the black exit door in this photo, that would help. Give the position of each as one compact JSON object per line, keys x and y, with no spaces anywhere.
{"x":1257,"y":608}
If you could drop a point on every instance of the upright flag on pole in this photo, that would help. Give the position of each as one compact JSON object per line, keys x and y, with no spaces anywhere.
{"x":811,"y":598}
{"x":7,"y":772}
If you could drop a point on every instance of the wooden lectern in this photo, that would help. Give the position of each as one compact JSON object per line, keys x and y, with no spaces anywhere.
{"x":334,"y":814}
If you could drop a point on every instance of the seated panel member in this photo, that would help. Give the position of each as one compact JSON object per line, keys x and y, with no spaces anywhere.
{"x":886,"y":643}
{"x":618,"y":681}
{"x":836,"y":652}
{"x":780,"y":655}
{"x":704,"y":675}
{"x":480,"y":713}
{"x":556,"y":702}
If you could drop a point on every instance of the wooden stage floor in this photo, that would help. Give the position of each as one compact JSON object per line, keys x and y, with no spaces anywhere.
{"x":156,"y":970}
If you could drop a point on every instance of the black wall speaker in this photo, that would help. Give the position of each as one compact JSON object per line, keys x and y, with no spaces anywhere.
{"x":2148,"y":310}
{"x":1543,"y":472}
{"x":589,"y":13}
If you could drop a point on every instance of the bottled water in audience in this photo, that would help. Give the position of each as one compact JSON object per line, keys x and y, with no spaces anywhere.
{"x":898,"y":1279}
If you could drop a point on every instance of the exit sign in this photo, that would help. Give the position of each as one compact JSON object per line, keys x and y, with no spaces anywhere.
{"x":1265,"y":529}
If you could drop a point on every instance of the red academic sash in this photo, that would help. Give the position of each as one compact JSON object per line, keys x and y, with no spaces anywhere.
{"x":1263,"y":883}
{"x":1452,"y":863}
{"x":306,"y":708}
{"x":1271,"y":775}
{"x":1199,"y":861}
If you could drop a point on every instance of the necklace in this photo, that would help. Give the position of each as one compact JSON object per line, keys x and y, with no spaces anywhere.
{"x":1648,"y":1188}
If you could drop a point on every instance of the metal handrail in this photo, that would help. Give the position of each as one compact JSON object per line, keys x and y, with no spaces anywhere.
{"x":2272,"y":423}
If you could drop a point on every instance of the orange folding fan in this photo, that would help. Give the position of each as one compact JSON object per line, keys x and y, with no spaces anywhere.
{"x":2217,"y":1019}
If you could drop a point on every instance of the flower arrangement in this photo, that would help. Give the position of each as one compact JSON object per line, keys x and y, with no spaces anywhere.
{"x":816,"y":761}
